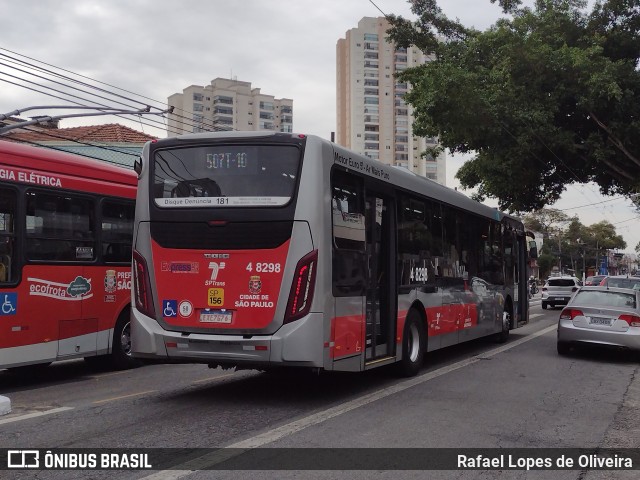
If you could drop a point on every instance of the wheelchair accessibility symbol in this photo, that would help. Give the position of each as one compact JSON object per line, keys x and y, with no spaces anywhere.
{"x":9,"y":303}
{"x":169,"y":308}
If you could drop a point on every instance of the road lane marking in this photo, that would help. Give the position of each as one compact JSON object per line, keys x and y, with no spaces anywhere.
{"x":34,"y":415}
{"x":97,"y":402}
{"x":296,"y":426}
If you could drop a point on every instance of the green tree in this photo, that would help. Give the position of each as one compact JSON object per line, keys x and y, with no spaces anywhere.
{"x":546,"y":97}
{"x":545,"y":220}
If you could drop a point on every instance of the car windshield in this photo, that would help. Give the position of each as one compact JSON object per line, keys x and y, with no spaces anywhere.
{"x":605,"y":298}
{"x":624,"y":283}
{"x":561,"y":282}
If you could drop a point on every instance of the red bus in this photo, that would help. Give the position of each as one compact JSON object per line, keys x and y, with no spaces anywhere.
{"x":66,"y":225}
{"x":261,"y":249}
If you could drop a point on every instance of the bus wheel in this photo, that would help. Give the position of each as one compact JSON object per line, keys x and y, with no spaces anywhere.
{"x":121,"y":357}
{"x":503,"y":335}
{"x":413,"y":345}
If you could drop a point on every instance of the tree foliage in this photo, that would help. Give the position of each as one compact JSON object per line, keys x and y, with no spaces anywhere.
{"x":568,"y":240}
{"x":546,"y":97}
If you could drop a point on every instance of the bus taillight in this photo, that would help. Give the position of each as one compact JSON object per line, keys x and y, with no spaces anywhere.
{"x":301,"y":295}
{"x":144,"y":302}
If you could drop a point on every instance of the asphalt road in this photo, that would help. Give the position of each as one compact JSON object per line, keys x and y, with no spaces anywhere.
{"x":479,"y":395}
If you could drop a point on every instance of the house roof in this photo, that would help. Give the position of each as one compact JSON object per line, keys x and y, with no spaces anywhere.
{"x":109,"y":133}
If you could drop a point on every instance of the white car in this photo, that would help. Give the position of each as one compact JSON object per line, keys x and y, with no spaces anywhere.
{"x":559,"y":290}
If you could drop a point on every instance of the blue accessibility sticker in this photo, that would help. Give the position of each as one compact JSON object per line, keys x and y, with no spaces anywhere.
{"x":169,"y":308}
{"x":9,"y":303}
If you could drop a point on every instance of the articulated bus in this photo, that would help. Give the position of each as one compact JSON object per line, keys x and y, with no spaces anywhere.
{"x":261,"y":250}
{"x":66,"y":226}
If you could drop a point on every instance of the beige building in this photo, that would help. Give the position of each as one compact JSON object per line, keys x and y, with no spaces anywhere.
{"x":228,"y":105}
{"x":373,"y":118}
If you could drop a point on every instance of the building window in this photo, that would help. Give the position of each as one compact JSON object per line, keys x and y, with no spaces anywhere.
{"x":222,"y":99}
{"x":266,"y":106}
{"x":198,"y":97}
{"x":372,"y":37}
{"x":266,"y":115}
{"x":198,"y":107}
{"x":223,"y":110}
{"x":370,"y":100}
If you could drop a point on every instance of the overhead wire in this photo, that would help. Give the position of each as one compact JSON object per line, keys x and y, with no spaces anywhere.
{"x":205,"y":124}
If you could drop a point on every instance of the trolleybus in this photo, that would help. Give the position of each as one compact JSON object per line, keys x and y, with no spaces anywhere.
{"x":262,"y":249}
{"x":66,"y":225}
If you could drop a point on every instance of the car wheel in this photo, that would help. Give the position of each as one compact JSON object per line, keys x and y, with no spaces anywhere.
{"x":563,"y":348}
{"x":413,"y":345}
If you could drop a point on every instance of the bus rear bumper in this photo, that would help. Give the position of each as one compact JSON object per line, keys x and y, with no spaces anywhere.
{"x":298,"y":343}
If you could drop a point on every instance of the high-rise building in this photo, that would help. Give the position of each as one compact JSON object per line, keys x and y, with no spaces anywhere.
{"x":228,"y":105}
{"x":373,"y":117}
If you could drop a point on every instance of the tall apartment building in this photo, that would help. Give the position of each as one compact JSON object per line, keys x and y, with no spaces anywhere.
{"x":228,"y":105}
{"x":373,"y":117}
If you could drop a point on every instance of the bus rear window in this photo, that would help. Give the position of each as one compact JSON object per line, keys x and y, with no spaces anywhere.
{"x":225,"y":176}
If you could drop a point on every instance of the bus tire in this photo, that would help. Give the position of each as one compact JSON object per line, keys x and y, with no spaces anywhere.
{"x":413,"y":345}
{"x":503,"y":335}
{"x":121,"y":357}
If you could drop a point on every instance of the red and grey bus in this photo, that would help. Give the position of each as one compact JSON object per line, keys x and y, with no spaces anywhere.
{"x":262,"y":249}
{"x":66,"y":225}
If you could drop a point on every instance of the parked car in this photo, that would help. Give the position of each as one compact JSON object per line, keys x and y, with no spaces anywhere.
{"x":621,"y":281}
{"x":606,"y":316}
{"x":559,"y":290}
{"x":594,"y":280}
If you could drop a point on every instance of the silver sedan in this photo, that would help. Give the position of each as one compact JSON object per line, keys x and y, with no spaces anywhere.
{"x":601,"y":316}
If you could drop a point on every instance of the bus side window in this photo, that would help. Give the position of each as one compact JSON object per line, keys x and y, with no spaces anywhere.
{"x":117,"y":231}
{"x":7,"y":234}
{"x":347,"y":213}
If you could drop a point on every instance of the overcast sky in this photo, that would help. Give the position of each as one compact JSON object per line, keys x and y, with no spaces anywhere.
{"x":154,"y":48}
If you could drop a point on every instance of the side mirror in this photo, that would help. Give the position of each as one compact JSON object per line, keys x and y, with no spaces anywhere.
{"x":137,"y":165}
{"x":533,"y":249}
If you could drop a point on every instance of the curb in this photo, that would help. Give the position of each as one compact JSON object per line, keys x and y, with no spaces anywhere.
{"x":5,"y":405}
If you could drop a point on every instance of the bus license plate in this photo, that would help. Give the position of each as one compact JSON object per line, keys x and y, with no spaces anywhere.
{"x":216,"y":317}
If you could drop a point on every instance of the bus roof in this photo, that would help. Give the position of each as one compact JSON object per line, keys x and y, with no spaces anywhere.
{"x":46,"y":160}
{"x":402,"y":177}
